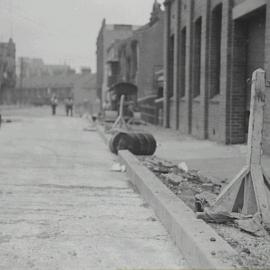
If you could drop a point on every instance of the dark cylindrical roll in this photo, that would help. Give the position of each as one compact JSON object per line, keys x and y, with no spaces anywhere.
{"x":125,"y":143}
{"x":137,"y":143}
{"x":152,"y":144}
{"x":114,"y":141}
{"x":143,"y":144}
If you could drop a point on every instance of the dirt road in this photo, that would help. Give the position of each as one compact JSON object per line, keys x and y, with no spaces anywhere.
{"x":62,"y":207}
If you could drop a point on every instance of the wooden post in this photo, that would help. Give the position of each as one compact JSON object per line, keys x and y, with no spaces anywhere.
{"x":249,"y":192}
{"x":120,"y":122}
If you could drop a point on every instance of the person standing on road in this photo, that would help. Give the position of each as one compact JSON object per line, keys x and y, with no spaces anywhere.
{"x":69,"y":106}
{"x":66,"y":106}
{"x":54,"y":103}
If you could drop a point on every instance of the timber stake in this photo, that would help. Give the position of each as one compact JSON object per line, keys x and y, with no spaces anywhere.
{"x":249,"y":192}
{"x":120,"y":122}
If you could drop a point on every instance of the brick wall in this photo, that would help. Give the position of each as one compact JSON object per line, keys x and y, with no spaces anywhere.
{"x":148,"y":110}
{"x":200,"y":89}
{"x":150,"y":56}
{"x":140,"y":57}
{"x":217,"y":108}
{"x":266,"y":137}
{"x":173,"y":113}
{"x":214,"y":120}
{"x":197,"y":116}
{"x":197,"y":119}
{"x":8,"y":64}
{"x":183,"y":117}
{"x":248,"y":56}
{"x":107,"y":35}
{"x":218,"y":79}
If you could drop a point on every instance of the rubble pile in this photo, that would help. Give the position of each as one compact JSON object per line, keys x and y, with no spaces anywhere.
{"x":185,"y":183}
{"x":244,"y":233}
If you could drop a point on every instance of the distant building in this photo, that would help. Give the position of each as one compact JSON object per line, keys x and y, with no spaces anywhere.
{"x":137,"y":60}
{"x":107,"y":35}
{"x":58,"y":70}
{"x":32,"y":67}
{"x":85,"y":92}
{"x":38,"y":90}
{"x":86,"y":70}
{"x":7,"y":65}
{"x":28,"y":67}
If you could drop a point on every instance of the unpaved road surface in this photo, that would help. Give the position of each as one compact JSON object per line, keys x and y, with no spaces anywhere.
{"x":62,"y":207}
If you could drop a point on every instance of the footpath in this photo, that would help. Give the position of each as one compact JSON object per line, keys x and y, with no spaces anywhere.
{"x":219,"y":161}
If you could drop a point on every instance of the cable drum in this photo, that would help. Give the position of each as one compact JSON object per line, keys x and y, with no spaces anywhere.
{"x":126,"y":142}
{"x":136,"y":147}
{"x":142,"y":144}
{"x":151,"y":142}
{"x":114,"y":142}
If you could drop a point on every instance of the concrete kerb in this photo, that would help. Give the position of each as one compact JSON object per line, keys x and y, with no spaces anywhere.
{"x":202,"y":247}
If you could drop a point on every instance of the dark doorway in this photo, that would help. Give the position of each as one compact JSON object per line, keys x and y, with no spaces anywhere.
{"x":171,"y":66}
{"x":215,"y":53}
{"x":183,"y":63}
{"x":248,"y":55}
{"x":197,"y":58}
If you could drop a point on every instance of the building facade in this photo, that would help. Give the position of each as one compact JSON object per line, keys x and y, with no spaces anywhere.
{"x":211,"y":49}
{"x":85,"y":92}
{"x":33,"y":67}
{"x":7,"y":65}
{"x":107,"y":35}
{"x":137,"y":60}
{"x":38,"y":90}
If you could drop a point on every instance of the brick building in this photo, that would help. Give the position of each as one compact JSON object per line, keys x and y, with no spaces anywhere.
{"x":7,"y":65}
{"x":32,"y":67}
{"x":211,"y":49}
{"x":137,"y":60}
{"x":108,"y":33}
{"x":38,"y":90}
{"x":85,"y":92}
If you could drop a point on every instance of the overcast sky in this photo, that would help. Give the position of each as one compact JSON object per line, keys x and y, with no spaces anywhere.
{"x":65,"y":30}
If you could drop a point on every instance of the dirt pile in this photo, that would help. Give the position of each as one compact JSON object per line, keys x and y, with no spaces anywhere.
{"x":198,"y":192}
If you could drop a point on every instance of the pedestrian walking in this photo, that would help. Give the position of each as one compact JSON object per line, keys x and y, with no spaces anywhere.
{"x":69,"y":106}
{"x":54,"y":103}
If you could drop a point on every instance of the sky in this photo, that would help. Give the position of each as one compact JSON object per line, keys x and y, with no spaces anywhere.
{"x":65,"y":31}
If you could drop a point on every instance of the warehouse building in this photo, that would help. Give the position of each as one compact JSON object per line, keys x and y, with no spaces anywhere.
{"x":211,"y":49}
{"x":108,"y":34}
{"x":138,"y":60}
